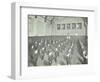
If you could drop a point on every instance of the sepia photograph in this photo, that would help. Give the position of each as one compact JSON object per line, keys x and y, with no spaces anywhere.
{"x":57,"y":40}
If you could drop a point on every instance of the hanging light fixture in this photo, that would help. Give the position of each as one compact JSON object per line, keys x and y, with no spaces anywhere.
{"x":45,"y":19}
{"x":35,"y":16}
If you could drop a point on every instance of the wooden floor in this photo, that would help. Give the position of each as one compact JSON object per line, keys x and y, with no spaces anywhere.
{"x":57,"y":50}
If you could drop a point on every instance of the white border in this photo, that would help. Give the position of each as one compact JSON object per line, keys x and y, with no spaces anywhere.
{"x":19,"y":67}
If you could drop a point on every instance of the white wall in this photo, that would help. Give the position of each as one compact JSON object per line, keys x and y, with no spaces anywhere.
{"x":5,"y":40}
{"x":70,"y":20}
{"x":38,"y":27}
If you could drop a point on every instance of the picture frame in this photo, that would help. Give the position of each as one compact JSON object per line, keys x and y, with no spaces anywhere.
{"x":20,"y":32}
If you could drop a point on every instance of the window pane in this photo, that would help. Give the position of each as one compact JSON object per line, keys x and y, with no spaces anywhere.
{"x":58,"y":26}
{"x":63,"y":26}
{"x":68,"y":26}
{"x":73,"y":25}
{"x":79,"y":25}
